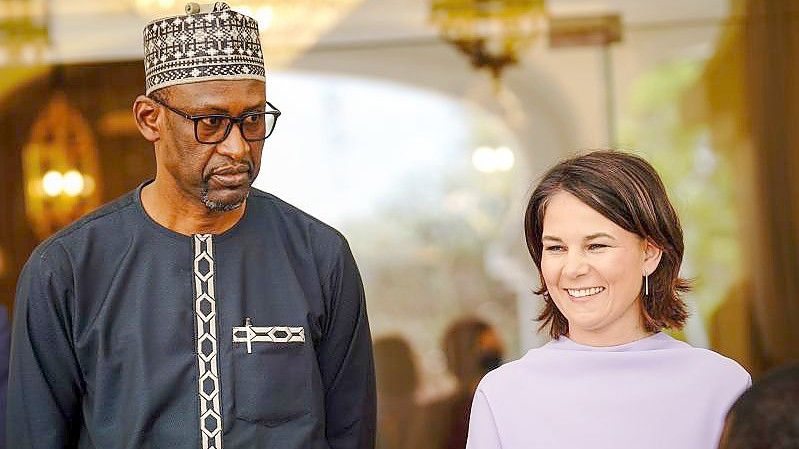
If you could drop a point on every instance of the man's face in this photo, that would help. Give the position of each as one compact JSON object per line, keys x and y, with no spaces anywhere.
{"x":218,"y":175}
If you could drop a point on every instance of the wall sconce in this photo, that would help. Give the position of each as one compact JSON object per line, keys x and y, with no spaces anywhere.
{"x":60,"y":168}
{"x":72,"y":183}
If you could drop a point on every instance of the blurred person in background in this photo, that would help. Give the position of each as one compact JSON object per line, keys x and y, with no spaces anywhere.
{"x":766,"y":416}
{"x":399,"y":421}
{"x":472,"y":348}
{"x":608,"y":246}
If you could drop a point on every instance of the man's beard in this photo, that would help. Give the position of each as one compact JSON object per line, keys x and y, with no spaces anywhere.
{"x":219,"y":206}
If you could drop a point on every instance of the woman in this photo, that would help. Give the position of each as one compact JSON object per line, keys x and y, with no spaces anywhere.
{"x":608,"y":246}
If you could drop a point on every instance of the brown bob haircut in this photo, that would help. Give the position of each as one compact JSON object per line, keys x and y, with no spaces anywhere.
{"x":626,"y":190}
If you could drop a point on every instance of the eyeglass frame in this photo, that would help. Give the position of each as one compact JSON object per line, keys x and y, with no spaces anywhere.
{"x":232,"y":120}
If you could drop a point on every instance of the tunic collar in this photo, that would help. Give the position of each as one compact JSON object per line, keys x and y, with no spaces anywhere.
{"x":235,"y":229}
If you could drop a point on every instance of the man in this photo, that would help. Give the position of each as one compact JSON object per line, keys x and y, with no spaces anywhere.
{"x":196,"y":311}
{"x":767,"y":415}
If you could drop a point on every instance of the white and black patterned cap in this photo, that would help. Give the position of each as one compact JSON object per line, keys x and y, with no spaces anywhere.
{"x":209,"y":42}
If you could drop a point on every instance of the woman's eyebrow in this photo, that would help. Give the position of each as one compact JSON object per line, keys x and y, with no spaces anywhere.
{"x":598,"y":235}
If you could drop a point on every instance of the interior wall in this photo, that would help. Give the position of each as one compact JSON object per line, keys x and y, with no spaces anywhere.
{"x":561,"y":114}
{"x":103,"y":94}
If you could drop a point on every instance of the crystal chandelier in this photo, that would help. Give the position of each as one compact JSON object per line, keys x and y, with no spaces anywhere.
{"x":492,"y":33}
{"x":288,"y":27}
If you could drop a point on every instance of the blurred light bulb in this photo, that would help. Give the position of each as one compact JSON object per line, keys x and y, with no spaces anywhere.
{"x":53,"y":183}
{"x":73,"y":183}
{"x":504,"y":158}
{"x":484,"y":160}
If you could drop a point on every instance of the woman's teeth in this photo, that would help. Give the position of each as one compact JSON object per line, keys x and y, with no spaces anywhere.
{"x":583,"y":292}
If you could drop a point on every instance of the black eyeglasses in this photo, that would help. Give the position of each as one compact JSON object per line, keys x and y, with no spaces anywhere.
{"x":214,"y":128}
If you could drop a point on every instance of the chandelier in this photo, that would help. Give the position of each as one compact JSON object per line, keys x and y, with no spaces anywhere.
{"x":492,"y":33}
{"x":288,"y":27}
{"x":24,"y":37}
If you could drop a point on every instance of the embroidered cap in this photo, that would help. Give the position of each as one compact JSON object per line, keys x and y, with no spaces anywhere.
{"x":209,"y":42}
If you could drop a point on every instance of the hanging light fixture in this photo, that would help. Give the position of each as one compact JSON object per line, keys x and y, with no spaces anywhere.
{"x":492,"y":33}
{"x":288,"y":27}
{"x":24,"y":37}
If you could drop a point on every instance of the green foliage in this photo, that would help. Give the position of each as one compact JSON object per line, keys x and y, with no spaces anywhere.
{"x":699,"y":178}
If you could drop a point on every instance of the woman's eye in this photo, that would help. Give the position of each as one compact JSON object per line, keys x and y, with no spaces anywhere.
{"x":595,"y":246}
{"x":555,"y":248}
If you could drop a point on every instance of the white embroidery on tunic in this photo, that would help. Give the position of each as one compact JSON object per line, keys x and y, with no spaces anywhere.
{"x":205,"y":310}
{"x":267,"y":334}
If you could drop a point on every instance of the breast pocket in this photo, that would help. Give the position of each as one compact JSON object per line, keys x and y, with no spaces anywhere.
{"x":272,"y":383}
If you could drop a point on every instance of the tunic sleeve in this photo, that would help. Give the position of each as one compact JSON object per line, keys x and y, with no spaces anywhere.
{"x":345,"y":360}
{"x":483,"y":433}
{"x":44,"y":387}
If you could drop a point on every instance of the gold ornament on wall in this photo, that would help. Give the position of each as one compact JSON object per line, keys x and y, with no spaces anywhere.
{"x":60,"y":168}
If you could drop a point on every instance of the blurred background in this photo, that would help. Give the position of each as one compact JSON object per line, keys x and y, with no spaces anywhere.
{"x":418,"y":127}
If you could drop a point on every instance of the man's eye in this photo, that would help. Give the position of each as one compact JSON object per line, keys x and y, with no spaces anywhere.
{"x":211,"y":121}
{"x":253,"y":119}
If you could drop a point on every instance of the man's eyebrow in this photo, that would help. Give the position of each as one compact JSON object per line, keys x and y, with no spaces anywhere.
{"x":256,"y":107}
{"x":214,"y":109}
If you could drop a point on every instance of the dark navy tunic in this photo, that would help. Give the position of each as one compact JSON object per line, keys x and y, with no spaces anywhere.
{"x":129,"y":335}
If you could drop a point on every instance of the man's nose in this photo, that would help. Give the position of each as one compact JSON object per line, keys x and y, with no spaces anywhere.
{"x":234,"y":146}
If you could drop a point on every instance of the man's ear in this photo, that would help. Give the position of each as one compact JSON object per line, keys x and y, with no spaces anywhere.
{"x":146,"y":112}
{"x":652,"y":256}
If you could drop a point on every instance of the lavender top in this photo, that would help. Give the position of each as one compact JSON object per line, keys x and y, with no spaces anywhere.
{"x":653,"y":393}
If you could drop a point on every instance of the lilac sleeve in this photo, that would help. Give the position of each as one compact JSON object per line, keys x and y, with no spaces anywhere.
{"x":483,"y":433}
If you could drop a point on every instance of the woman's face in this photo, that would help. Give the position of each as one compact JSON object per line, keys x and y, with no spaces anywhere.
{"x":593,"y":270}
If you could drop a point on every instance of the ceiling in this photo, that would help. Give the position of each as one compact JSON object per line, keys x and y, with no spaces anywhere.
{"x":92,"y":30}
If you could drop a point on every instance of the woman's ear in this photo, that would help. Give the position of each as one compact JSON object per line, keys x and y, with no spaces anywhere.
{"x":146,"y":112}
{"x":652,"y":255}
